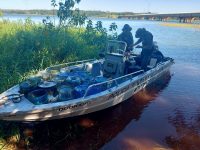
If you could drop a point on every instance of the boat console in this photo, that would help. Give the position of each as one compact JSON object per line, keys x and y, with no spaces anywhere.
{"x":114,"y":63}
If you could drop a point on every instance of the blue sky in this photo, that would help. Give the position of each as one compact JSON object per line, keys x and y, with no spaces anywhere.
{"x":156,"y":6}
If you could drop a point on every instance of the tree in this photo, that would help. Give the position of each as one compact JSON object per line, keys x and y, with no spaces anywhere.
{"x":53,"y":3}
{"x":113,"y":28}
{"x":67,"y":15}
{"x":77,"y":18}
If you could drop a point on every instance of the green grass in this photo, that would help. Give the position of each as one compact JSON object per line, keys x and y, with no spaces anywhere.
{"x":29,"y":47}
{"x":26,"y":48}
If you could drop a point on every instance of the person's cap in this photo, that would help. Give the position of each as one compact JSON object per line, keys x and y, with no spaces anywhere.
{"x":126,"y":28}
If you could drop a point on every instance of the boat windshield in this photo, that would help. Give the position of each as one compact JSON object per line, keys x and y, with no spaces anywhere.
{"x":117,"y":47}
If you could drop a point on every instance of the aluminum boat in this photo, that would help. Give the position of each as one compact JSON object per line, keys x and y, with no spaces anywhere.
{"x":81,"y":87}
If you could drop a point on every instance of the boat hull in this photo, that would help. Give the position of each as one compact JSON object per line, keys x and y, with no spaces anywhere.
{"x":90,"y":104}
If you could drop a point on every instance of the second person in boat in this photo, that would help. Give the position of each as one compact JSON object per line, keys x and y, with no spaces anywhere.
{"x":127,"y":37}
{"x":146,"y":38}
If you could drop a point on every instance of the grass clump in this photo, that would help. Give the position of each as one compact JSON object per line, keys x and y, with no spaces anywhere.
{"x":9,"y":135}
{"x":28,"y":47}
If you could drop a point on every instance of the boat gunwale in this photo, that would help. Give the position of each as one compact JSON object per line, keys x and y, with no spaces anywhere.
{"x":69,"y":64}
{"x":57,"y":105}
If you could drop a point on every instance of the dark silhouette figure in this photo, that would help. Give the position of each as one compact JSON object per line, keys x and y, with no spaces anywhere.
{"x":146,"y":38}
{"x":126,"y":36}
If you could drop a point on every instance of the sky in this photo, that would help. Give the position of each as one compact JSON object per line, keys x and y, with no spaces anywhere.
{"x":155,"y":6}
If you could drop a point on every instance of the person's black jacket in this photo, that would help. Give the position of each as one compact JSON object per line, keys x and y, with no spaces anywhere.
{"x":128,"y":38}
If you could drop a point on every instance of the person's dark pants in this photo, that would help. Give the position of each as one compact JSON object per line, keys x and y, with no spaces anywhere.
{"x":145,"y":58}
{"x":127,"y":65}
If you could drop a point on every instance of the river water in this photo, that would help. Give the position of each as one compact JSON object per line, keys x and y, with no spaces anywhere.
{"x":165,"y":115}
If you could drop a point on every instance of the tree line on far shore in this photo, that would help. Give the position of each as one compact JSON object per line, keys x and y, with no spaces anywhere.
{"x":103,"y":14}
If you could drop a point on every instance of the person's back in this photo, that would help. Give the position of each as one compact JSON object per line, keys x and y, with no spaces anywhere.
{"x":127,"y":37}
{"x":146,"y":38}
{"x":147,"y":41}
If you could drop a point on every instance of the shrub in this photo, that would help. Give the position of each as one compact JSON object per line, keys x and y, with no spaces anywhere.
{"x":28,"y":47}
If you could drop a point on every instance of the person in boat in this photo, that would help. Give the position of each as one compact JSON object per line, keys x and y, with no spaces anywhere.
{"x":127,"y":37}
{"x":146,"y":38}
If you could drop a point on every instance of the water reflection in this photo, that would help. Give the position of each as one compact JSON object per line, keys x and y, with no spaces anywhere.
{"x":94,"y":130}
{"x":187,"y":129}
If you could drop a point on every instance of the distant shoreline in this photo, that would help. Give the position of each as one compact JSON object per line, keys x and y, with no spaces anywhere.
{"x":182,"y":25}
{"x":17,"y":14}
{"x":97,"y":14}
{"x":94,"y":14}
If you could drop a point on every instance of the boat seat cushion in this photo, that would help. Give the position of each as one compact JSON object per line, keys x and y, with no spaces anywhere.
{"x":110,"y":66}
{"x":88,"y":67}
{"x":96,"y":69}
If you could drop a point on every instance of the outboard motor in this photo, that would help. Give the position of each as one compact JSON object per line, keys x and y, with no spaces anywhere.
{"x":156,"y":57}
{"x":156,"y":53}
